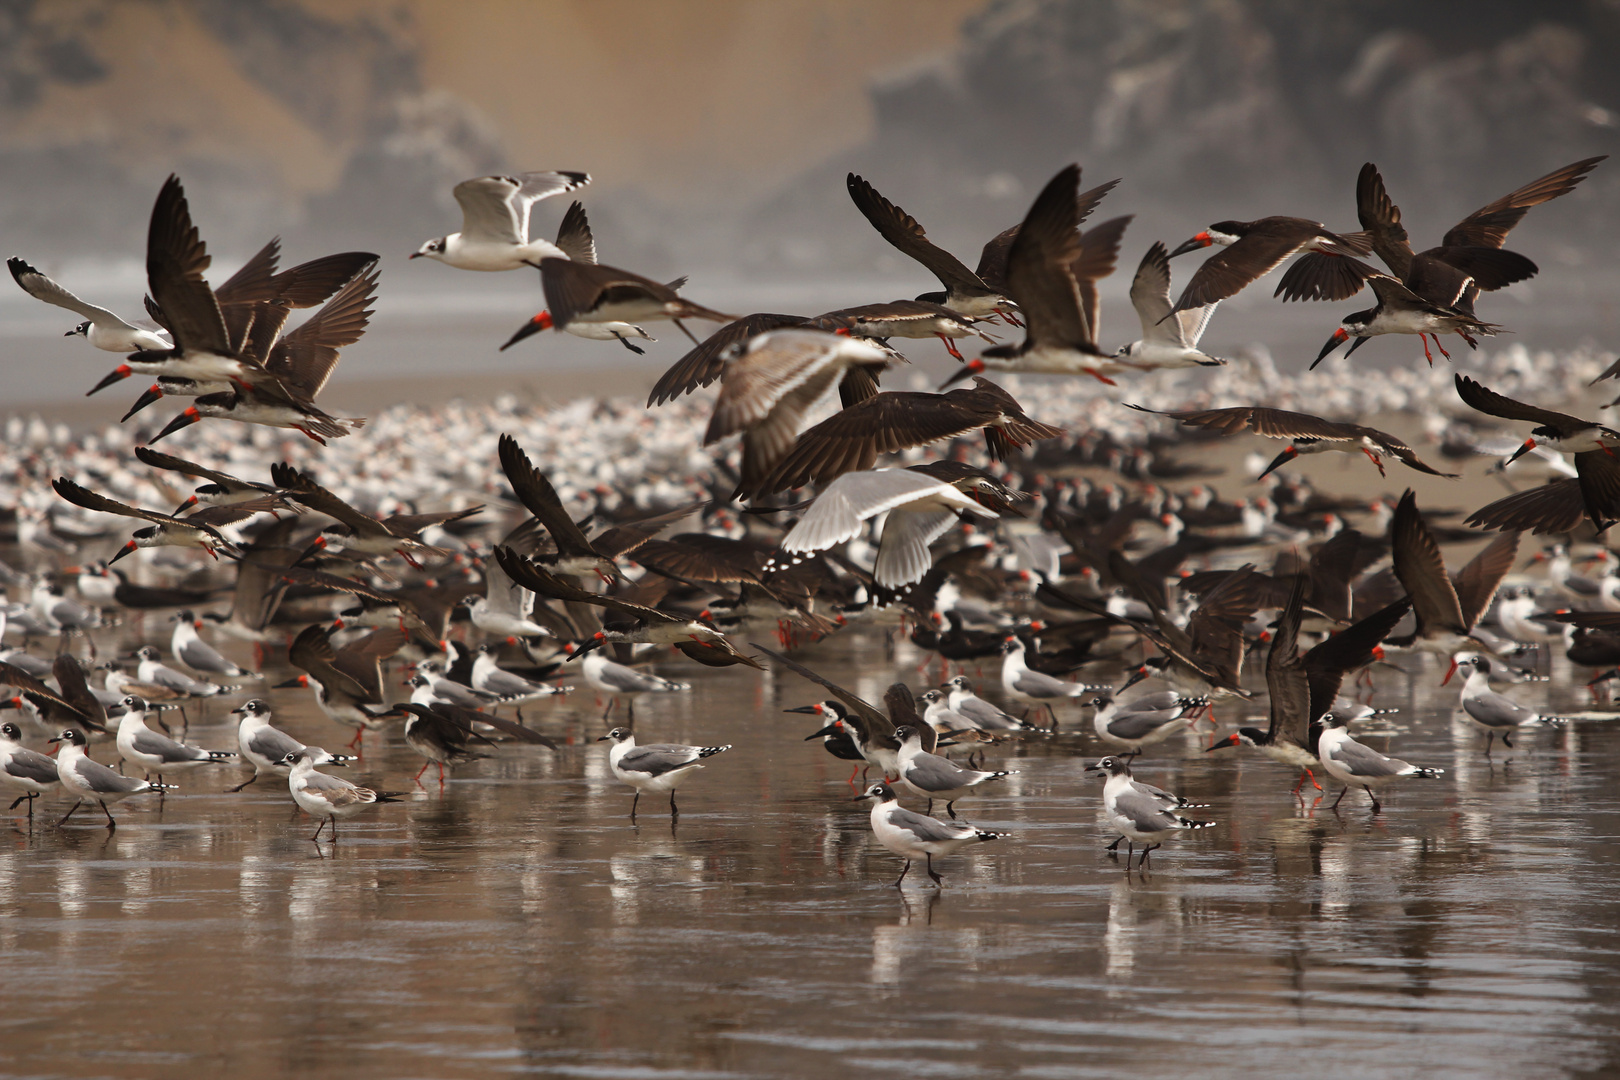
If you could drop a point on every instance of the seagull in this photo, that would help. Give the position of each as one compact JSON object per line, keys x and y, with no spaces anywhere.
{"x":1143,"y":720}
{"x":1026,"y":684}
{"x":430,"y":686}
{"x":594,"y":293}
{"x":1307,"y":434}
{"x":495,"y":221}
{"x":196,"y":654}
{"x":1350,"y":762}
{"x":852,"y":439}
{"x":1137,"y":814}
{"x":1168,"y":341}
{"x":86,"y":779}
{"x":264,"y":747}
{"x":1490,"y":711}
{"x":24,"y":770}
{"x":933,"y":777}
{"x":157,"y":754}
{"x":982,"y":714}
{"x":327,"y":797}
{"x":199,"y":530}
{"x":657,"y":767}
{"x":610,"y":677}
{"x":154,"y":671}
{"x":489,"y":678}
{"x":913,"y":836}
{"x":920,"y":510}
{"x":102,"y":328}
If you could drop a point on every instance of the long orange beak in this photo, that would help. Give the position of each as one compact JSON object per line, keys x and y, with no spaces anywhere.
{"x":540,"y":322}
{"x":1452,"y":670}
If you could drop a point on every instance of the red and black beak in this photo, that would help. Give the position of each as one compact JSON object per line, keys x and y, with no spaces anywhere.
{"x":1280,"y":460}
{"x":540,"y":322}
{"x":117,"y":374}
{"x":1202,"y":240}
{"x":297,"y":680}
{"x":972,"y":367}
{"x":1529,"y":445}
{"x":125,"y":550}
{"x":185,"y":419}
{"x":1340,"y":336}
{"x":1230,"y":740}
{"x":143,"y":401}
{"x":1450,"y":671}
{"x":184,"y":506}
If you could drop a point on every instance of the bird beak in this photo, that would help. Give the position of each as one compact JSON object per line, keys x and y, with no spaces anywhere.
{"x":185,"y":419}
{"x":143,"y":401}
{"x":297,"y":680}
{"x":1529,"y":445}
{"x":1281,"y":459}
{"x":189,"y":502}
{"x":1450,"y":671}
{"x":972,"y":367}
{"x":830,"y":729}
{"x":812,"y":709}
{"x":414,"y":255}
{"x":1202,"y":240}
{"x":1354,"y":345}
{"x":125,"y":550}
{"x":1230,"y":740}
{"x":1136,"y":676}
{"x":604,"y":738}
{"x":540,"y":322}
{"x":117,"y":374}
{"x":1340,"y":336}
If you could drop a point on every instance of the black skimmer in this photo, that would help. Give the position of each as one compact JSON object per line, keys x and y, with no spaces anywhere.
{"x":86,"y":779}
{"x":495,"y":221}
{"x":592,"y":292}
{"x":1052,"y":274}
{"x":706,"y":361}
{"x":1253,"y":249}
{"x":1555,"y":507}
{"x":976,"y":482}
{"x":1439,"y":303}
{"x":102,"y":328}
{"x":1491,"y":712}
{"x":871,"y":729}
{"x":348,"y":681}
{"x":656,"y":767}
{"x":1308,"y":434}
{"x":772,"y":381}
{"x":913,"y":836}
{"x":575,"y":241}
{"x":24,"y":770}
{"x":1139,"y":815}
{"x":918,"y":319}
{"x":327,"y":798}
{"x":155,"y":753}
{"x":223,"y":489}
{"x":440,"y":732}
{"x":299,"y":366}
{"x":199,"y":530}
{"x":920,"y":510}
{"x":964,"y":292}
{"x":58,"y":708}
{"x":398,"y":534}
{"x":1447,"y":610}
{"x":992,"y":268}
{"x":851,"y":439}
{"x":1169,"y":338}
{"x":835,"y":736}
{"x":261,"y":744}
{"x":1353,"y":763}
{"x":575,"y":555}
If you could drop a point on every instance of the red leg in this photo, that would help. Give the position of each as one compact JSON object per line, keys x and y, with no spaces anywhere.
{"x":1372,"y":457}
{"x":419,"y":772}
{"x":1100,"y":377}
{"x":1427,"y":355}
{"x":950,"y":347}
{"x":1441,"y":347}
{"x":354,"y":743}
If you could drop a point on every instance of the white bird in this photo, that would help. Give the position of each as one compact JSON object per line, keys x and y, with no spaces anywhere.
{"x":1350,"y":762}
{"x":495,"y":222}
{"x":920,"y":508}
{"x":1137,"y":812}
{"x":1168,"y":340}
{"x":655,"y":767}
{"x":1492,"y":712}
{"x":153,"y":670}
{"x":102,"y":328}
{"x":263,"y":746}
{"x":489,"y":678}
{"x":936,"y":778}
{"x":156,"y":753}
{"x":610,"y":677}
{"x":912,"y":836}
{"x":192,"y":651}
{"x":324,"y":797}
{"x":86,"y":779}
{"x":24,"y":770}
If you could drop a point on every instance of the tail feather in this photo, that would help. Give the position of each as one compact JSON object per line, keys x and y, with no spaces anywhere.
{"x":1189,"y":823}
{"x":710,"y":751}
{"x":1427,"y":774}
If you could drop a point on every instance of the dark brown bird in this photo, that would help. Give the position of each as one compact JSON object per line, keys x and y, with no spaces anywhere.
{"x":591,"y":292}
{"x":1254,"y":249}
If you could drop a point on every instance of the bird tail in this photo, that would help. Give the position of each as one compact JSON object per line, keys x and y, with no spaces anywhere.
{"x":221,"y":755}
{"x":1190,"y":823}
{"x":391,"y":796}
{"x":710,"y":751}
{"x":153,"y":785}
{"x":980,"y":834}
{"x":1428,"y":774}
{"x":1192,"y":702}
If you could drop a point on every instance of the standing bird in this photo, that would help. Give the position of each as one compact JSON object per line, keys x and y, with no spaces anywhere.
{"x":616,"y":680}
{"x":102,"y":328}
{"x":24,"y":770}
{"x":657,"y":767}
{"x":264,"y":747}
{"x":982,"y":714}
{"x":86,"y":779}
{"x":914,"y":836}
{"x":1143,"y":720}
{"x":155,"y":753}
{"x":1491,"y":712}
{"x":1139,"y":815}
{"x":327,"y":798}
{"x":195,"y":653}
{"x":1351,"y":762}
{"x":1039,"y":689}
{"x":1169,"y":338}
{"x":495,"y":221}
{"x":936,"y":778}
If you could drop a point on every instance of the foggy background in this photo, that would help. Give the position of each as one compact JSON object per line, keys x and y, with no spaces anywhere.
{"x":718,"y":133}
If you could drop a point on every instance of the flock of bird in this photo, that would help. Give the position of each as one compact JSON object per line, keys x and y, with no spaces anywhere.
{"x":558,"y":561}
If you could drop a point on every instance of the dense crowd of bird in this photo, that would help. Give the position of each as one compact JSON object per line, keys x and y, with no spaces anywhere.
{"x":505,"y":568}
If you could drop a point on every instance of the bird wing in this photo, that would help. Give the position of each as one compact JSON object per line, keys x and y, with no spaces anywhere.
{"x":905,"y":233}
{"x":873,"y":721}
{"x":700,"y":557}
{"x":1550,"y":509}
{"x":537,"y":495}
{"x":11,"y":675}
{"x":306,"y":357}
{"x":159,"y":460}
{"x":1252,"y":257}
{"x":797,"y":365}
{"x":1324,"y":275}
{"x":537,"y":579}
{"x":1326,"y":663}
{"x":254,"y":281}
{"x":1143,"y":811}
{"x":574,"y":288}
{"x":1150,"y":296}
{"x":318,"y":498}
{"x":495,"y":209}
{"x":704,"y":364}
{"x":838,"y":512}
{"x":69,"y":676}
{"x":574,"y":237}
{"x":903,"y":556}
{"x":1286,"y":681}
{"x":1489,"y":225}
{"x":1272,"y":423}
{"x":1382,"y":219}
{"x":1038,"y":276}
{"x":312,"y":652}
{"x":40,"y":287}
{"x":628,"y":536}
{"x":1391,"y":445}
{"x":1099,"y":255}
{"x":411,"y":524}
{"x":176,"y":258}
{"x":1476,"y":582}
{"x":1489,"y":402}
{"x":88,"y":499}
{"x":1599,"y":477}
{"x":1422,"y":570}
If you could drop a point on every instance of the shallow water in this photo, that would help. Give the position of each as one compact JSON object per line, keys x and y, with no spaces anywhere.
{"x":519,"y":923}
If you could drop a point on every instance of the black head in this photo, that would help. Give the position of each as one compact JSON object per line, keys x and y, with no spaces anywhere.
{"x":71,"y":736}
{"x":82,"y":330}
{"x":906,"y":731}
{"x":960,"y":682}
{"x":1113,"y":766}
{"x":618,"y":734}
{"x":133,"y":703}
{"x":879,"y":791}
{"x":251,"y":707}
{"x":148,"y":652}
{"x":11,"y":731}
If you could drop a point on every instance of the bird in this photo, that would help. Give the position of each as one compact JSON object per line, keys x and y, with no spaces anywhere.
{"x":657,"y":767}
{"x":964,"y":291}
{"x":920,"y":509}
{"x":199,"y":530}
{"x":595,"y":293}
{"x":1307,"y":434}
{"x":440,"y":732}
{"x":397,"y":534}
{"x":1420,"y":306}
{"x":886,"y":423}
{"x":1353,"y":763}
{"x":982,"y":714}
{"x":936,"y":778}
{"x":495,"y":221}
{"x":264,"y":746}
{"x":918,"y":319}
{"x":1140,"y":816}
{"x":155,"y":753}
{"x":324,"y":797}
{"x":705,"y":362}
{"x":1026,"y":684}
{"x":101,"y":327}
{"x":871,"y":730}
{"x":195,"y":653}
{"x":1447,"y":609}
{"x":836,"y":736}
{"x":1169,"y":339}
{"x":488,"y":677}
{"x":1253,"y":249}
{"x":914,"y":836}
{"x":223,"y":489}
{"x":1142,"y":720}
{"x":615,"y":679}
{"x":1490,"y":711}
{"x":154,"y":672}
{"x":86,"y":779}
{"x":347,"y":682}
{"x":1556,"y":507}
{"x":24,"y":770}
